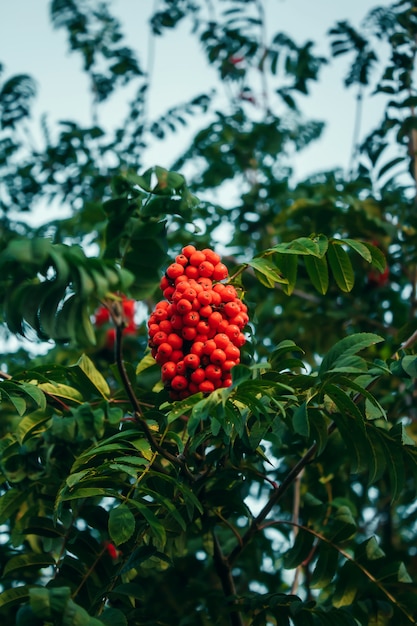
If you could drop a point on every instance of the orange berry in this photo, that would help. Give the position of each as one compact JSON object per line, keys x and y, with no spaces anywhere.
{"x":197,"y":257}
{"x":188,"y":251}
{"x":174,"y":270}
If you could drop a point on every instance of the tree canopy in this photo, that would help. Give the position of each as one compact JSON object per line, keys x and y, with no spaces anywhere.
{"x":274,"y":482}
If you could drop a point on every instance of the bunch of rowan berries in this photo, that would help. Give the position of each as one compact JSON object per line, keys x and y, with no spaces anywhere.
{"x":102,"y":318}
{"x":195,"y":334}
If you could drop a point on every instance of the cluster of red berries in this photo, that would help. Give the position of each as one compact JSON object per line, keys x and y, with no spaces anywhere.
{"x":195,"y":334}
{"x":102,"y":317}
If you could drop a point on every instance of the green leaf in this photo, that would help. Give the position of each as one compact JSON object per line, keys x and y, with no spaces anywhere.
{"x":360,"y":248}
{"x":373,"y":550}
{"x":378,"y":258}
{"x":318,"y":272}
{"x":10,"y":502}
{"x":315,"y":246}
{"x":23,"y":561}
{"x":15,"y":596}
{"x":62,"y":391}
{"x":121,"y":524}
{"x":267,"y":272}
{"x":288,"y":265}
{"x":92,"y":374}
{"x":341,"y":266}
{"x":346,"y":347}
{"x":155,"y":525}
{"x":325,"y":567}
{"x":341,"y":525}
{"x":299,"y":551}
{"x":346,"y":585}
{"x":300,"y":420}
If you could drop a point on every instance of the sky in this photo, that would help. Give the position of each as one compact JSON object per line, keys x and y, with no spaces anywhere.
{"x":28,"y":44}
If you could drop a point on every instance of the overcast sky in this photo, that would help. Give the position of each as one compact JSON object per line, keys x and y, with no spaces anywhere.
{"x":30,"y":45}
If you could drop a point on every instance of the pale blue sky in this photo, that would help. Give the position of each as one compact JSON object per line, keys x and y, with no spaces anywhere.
{"x":30,"y":45}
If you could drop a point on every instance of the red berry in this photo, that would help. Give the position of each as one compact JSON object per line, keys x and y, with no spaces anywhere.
{"x":168,"y":293}
{"x":206,"y":386}
{"x":197,"y":348}
{"x":175,"y":341}
{"x":215,"y":319}
{"x":179,"y":383}
{"x":191,"y":319}
{"x":197,"y":257}
{"x":165,"y":326}
{"x":174,"y":270}
{"x":231,"y":309}
{"x":102,"y":316}
{"x":189,"y":333}
{"x":192,"y":361}
{"x":232,"y":331}
{"x":181,"y":259}
{"x":198,"y":375}
{"x":176,"y":321}
{"x":205,"y":269}
{"x":221,"y":340}
{"x":203,"y":327}
{"x":164,"y":283}
{"x":205,"y":311}
{"x":209,"y":347}
{"x":229,"y":294}
{"x":188,"y":251}
{"x":165,"y":350}
{"x":205,"y":283}
{"x":218,"y":356}
{"x":220,"y":272}
{"x":168,"y":370}
{"x":191,"y":271}
{"x":232,"y":352}
{"x":184,"y":306}
{"x":213,"y":372}
{"x":177,"y":355}
{"x":211,"y":256}
{"x":159,"y":337}
{"x":204,"y":297}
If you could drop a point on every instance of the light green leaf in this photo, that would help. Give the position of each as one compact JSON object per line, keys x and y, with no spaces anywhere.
{"x":360,"y":248}
{"x":86,"y":365}
{"x":267,"y":272}
{"x":146,"y":362}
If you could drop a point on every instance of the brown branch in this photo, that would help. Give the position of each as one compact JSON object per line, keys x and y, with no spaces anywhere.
{"x":224,"y":572}
{"x":139,"y":418}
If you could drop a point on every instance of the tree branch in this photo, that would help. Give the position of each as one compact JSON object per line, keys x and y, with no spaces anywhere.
{"x":117,"y":315}
{"x":224,"y":572}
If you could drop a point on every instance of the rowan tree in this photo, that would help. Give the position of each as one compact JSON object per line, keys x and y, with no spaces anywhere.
{"x":208,"y":407}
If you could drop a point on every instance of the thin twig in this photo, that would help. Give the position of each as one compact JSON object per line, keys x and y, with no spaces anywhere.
{"x":348,"y":557}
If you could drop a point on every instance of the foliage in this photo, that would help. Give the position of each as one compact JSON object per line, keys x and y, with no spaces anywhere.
{"x":287,"y":497}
